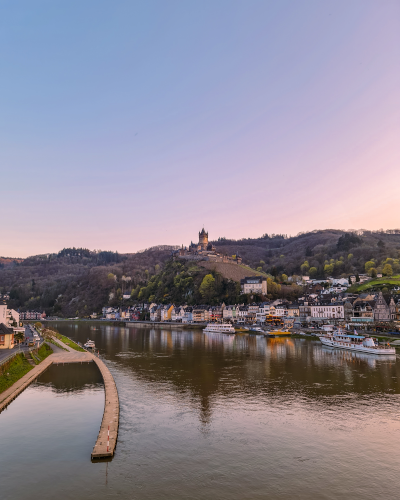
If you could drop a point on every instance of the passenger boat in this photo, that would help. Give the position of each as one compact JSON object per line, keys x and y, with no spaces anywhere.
{"x":219,"y":328}
{"x":89,"y":344}
{"x":360,"y":343}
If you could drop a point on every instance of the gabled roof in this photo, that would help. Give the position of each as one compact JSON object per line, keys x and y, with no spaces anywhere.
{"x":4,"y":330}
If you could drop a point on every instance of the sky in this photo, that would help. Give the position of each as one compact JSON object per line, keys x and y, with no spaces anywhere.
{"x":129,"y":124}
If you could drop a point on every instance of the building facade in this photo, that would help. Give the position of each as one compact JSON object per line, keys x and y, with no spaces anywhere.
{"x":254,"y":284}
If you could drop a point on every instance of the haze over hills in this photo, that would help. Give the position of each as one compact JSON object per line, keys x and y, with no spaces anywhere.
{"x":79,"y":281}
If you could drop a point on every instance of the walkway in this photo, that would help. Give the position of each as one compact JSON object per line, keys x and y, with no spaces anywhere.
{"x":104,"y":446}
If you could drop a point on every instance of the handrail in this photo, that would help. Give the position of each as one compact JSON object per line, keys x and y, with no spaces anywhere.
{"x":10,"y":356}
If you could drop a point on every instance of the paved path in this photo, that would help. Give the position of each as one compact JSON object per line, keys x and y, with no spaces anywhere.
{"x":103,"y":448}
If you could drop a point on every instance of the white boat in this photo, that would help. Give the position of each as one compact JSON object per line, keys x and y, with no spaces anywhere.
{"x":89,"y":344}
{"x":219,"y":328}
{"x":256,"y":329}
{"x":355,"y":342}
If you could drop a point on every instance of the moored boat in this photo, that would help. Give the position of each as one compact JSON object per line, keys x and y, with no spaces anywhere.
{"x":355,"y":342}
{"x":256,"y":329}
{"x":277,"y":333}
{"x":219,"y":328}
{"x":89,"y":344}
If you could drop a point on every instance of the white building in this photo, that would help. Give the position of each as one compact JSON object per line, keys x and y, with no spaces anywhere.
{"x":329,"y":311}
{"x":254,"y":284}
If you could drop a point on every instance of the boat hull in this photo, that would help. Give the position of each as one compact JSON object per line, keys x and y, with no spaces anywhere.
{"x":359,"y":348}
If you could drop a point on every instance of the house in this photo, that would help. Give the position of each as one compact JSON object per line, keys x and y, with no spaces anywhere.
{"x":227,"y":313}
{"x":363,"y":309}
{"x":327,"y":311}
{"x":281,"y":310}
{"x":166,"y":312}
{"x":392,"y":307}
{"x":253,"y":308}
{"x":9,"y":317}
{"x":155,"y":313}
{"x":242,"y":314}
{"x":381,"y":309}
{"x":6,"y":337}
{"x":188,"y":316}
{"x":198,"y":315}
{"x":293,"y":311}
{"x":254,"y":284}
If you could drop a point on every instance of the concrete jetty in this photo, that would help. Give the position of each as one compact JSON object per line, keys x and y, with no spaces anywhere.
{"x":107,"y":438}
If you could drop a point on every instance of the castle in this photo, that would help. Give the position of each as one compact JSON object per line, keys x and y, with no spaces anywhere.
{"x":203,"y":250}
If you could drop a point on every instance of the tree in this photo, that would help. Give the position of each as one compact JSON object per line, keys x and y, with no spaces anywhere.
{"x":328,"y":269}
{"x":313,"y":271}
{"x":368,"y":265}
{"x":305,"y":267}
{"x":387,"y":270}
{"x":372,"y":272}
{"x":19,"y":336}
{"x":350,"y":256}
{"x":348,"y":240}
{"x":284,"y":278}
{"x":207,"y":287}
{"x":357,"y":278}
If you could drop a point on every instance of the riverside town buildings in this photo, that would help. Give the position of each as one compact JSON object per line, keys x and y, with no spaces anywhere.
{"x":365,"y":310}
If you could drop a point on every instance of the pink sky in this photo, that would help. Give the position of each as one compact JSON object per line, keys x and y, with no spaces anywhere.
{"x":137,"y":126}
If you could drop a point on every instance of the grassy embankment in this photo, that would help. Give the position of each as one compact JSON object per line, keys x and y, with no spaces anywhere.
{"x":375,"y":283}
{"x":13,"y":370}
{"x":41,"y":354}
{"x":64,"y":339}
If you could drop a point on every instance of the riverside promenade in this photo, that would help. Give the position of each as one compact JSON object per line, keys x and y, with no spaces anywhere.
{"x":107,"y":438}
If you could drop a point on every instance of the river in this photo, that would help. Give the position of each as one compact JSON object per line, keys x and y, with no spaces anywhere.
{"x":207,"y":417}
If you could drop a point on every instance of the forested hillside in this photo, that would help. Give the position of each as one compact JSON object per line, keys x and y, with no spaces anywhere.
{"x":79,"y":281}
{"x":318,"y":253}
{"x":76,"y":281}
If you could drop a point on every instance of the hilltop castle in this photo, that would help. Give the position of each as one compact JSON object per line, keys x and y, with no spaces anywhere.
{"x":203,"y":250}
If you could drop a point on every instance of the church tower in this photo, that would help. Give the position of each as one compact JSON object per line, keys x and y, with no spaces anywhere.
{"x":203,"y":239}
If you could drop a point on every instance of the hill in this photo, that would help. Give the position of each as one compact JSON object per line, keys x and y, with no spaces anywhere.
{"x":79,"y":281}
{"x":231,"y":271}
{"x":345,"y":252}
{"x":76,"y":281}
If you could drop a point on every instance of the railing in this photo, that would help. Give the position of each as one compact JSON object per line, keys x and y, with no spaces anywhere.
{"x":10,"y":356}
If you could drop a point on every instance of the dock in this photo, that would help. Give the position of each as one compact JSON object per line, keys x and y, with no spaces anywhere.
{"x":107,"y":437}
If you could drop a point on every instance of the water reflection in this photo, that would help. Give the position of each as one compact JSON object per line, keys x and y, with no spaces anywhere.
{"x":208,"y":367}
{"x":206,"y":416}
{"x":74,"y":378}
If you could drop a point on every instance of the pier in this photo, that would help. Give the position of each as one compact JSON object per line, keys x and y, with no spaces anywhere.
{"x":107,"y":438}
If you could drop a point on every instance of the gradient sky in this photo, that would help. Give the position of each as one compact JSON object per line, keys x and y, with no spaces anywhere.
{"x":127,"y":124}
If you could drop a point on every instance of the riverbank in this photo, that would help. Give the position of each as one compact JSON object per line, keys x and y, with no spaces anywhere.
{"x":13,"y":370}
{"x":62,"y":353}
{"x":166,"y":324}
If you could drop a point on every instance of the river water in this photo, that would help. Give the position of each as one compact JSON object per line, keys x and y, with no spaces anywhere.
{"x":207,"y":417}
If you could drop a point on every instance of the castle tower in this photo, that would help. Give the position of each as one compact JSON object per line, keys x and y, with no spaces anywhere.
{"x":203,"y":239}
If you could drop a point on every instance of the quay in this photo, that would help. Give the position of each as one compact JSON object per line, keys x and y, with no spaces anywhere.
{"x":166,"y":324}
{"x":107,"y":437}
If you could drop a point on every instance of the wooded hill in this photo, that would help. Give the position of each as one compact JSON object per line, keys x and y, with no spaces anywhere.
{"x":79,"y":281}
{"x":344,"y":253}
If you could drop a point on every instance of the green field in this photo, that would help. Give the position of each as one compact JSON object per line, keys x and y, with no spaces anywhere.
{"x":376,"y":283}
